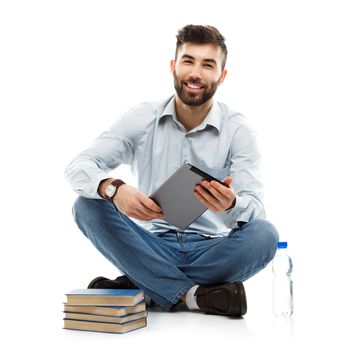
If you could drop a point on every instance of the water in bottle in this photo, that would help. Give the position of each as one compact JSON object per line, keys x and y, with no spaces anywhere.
{"x":282,"y":283}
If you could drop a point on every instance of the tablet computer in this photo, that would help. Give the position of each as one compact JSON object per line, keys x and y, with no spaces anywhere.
{"x":176,"y":196}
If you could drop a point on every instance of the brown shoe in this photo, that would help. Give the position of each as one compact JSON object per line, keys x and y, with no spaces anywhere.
{"x":121,"y":282}
{"x":226,"y":299}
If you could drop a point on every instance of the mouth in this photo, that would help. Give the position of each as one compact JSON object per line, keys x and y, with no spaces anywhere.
{"x":194,"y":87}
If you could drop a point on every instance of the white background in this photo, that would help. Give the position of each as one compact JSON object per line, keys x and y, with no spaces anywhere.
{"x":69,"y":68}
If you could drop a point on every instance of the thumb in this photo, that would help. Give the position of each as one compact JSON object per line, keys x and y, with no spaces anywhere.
{"x":228,"y":180}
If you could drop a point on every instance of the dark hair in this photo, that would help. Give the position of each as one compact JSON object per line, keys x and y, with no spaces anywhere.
{"x":202,"y":35}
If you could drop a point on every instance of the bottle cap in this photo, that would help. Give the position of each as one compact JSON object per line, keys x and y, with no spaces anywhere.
{"x":282,"y":245}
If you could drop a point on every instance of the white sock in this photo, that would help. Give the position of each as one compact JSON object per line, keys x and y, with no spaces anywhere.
{"x":191,"y":299}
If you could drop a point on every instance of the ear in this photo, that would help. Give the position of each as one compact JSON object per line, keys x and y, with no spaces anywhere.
{"x":223,"y":76}
{"x":172,"y":65}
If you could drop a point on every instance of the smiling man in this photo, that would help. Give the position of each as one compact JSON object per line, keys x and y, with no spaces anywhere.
{"x":197,"y":74}
{"x":203,"y":266}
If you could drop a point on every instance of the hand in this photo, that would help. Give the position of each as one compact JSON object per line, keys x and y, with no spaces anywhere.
{"x":135,"y":204}
{"x":215,"y":196}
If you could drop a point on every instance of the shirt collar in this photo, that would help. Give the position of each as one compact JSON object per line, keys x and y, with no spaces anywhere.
{"x":213,"y":117}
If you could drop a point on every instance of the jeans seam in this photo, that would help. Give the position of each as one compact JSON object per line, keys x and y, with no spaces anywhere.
{"x":178,"y":295}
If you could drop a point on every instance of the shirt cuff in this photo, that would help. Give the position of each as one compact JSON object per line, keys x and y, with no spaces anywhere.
{"x":90,"y":190}
{"x":242,"y":211}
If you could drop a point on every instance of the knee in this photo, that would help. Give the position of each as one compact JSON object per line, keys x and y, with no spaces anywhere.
{"x":268,"y":235}
{"x":80,"y":208}
{"x":85,"y":211}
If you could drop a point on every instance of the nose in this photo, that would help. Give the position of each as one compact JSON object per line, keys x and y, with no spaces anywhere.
{"x":195,"y":72}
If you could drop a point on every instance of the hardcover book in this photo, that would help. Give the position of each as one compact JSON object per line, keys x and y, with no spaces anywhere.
{"x":100,"y":318}
{"x":103,"y":326}
{"x":109,"y":297}
{"x":106,"y":310}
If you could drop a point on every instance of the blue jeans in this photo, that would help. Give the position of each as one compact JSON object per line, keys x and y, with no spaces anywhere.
{"x":166,"y":266}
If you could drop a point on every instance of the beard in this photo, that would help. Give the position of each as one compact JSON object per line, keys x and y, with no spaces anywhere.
{"x":194,"y":99}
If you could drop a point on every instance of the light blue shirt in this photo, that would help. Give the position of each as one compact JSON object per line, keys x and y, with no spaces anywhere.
{"x":154,"y":143}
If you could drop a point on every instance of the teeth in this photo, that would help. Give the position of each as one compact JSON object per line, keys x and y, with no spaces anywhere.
{"x":192,"y":86}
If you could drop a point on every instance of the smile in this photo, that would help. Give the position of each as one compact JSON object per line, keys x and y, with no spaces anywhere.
{"x":194,"y":87}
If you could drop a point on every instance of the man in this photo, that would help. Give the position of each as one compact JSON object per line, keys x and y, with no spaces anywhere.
{"x":205,"y":265}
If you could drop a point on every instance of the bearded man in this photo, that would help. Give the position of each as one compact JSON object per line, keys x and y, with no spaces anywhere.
{"x":205,"y":265}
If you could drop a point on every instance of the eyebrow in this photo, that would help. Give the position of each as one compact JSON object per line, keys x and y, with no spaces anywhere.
{"x":207,"y":60}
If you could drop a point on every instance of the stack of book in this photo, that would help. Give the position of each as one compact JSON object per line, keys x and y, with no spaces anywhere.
{"x":105,"y":310}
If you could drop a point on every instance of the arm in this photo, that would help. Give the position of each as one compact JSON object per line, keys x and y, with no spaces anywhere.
{"x":91,"y":166}
{"x":88,"y":171}
{"x":132,"y":202}
{"x":242,"y":201}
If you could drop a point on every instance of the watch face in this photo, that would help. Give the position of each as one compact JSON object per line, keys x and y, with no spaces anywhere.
{"x":110,"y":190}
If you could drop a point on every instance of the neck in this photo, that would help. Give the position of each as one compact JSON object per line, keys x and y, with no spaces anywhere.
{"x":191,"y":116}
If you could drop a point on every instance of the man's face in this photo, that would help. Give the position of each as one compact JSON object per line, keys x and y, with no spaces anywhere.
{"x":197,"y":72}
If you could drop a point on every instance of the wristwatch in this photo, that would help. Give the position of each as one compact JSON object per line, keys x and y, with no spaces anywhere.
{"x":112,"y":189}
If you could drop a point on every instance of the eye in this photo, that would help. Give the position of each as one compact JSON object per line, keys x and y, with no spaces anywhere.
{"x":187,"y":62}
{"x":208,"y":66}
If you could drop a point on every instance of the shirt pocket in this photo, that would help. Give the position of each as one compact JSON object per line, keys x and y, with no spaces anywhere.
{"x":218,"y":172}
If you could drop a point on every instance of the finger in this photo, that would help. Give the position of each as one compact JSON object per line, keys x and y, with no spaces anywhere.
{"x":223,"y":201}
{"x":204,"y":193}
{"x":228,"y":180}
{"x":226,"y":191}
{"x":137,"y":214}
{"x":147,"y":206}
{"x":149,"y":203}
{"x":207,"y":198}
{"x":205,"y":202}
{"x":148,"y":212}
{"x":218,"y":195}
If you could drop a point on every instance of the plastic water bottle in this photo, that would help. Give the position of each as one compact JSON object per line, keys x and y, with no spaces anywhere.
{"x":282,"y":283}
